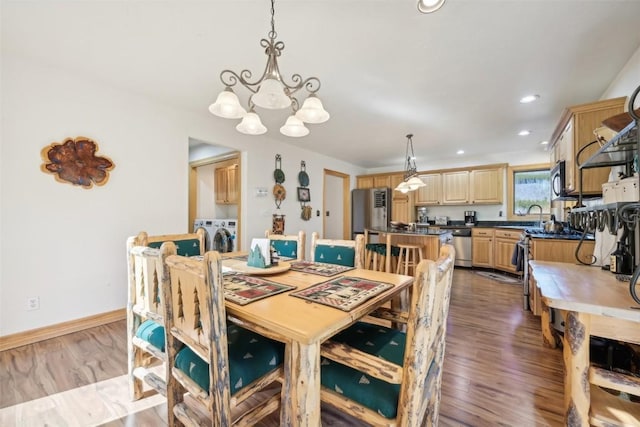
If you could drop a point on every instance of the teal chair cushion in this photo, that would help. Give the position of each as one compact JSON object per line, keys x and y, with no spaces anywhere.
{"x":375,"y":394}
{"x":188,"y":247}
{"x":250,"y":357}
{"x":340,"y":255}
{"x":286,"y":248}
{"x":152,"y":332}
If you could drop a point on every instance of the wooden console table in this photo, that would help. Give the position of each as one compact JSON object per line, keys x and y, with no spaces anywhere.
{"x":592,"y":302}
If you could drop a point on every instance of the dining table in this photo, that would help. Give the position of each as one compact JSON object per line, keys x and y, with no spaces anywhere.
{"x":304,"y":325}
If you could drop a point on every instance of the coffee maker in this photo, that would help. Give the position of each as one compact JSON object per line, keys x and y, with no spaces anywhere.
{"x":421,"y":215}
{"x":469,"y":217}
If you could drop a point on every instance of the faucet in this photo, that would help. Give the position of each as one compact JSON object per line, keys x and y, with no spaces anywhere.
{"x":539,"y":207}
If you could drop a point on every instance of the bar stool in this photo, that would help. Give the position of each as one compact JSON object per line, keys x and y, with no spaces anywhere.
{"x":410,"y":260}
{"x":376,"y":255}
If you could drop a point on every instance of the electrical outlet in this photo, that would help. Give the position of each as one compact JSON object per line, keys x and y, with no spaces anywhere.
{"x":33,"y":303}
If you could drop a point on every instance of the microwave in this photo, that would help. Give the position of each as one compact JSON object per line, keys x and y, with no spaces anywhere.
{"x":558,"y":181}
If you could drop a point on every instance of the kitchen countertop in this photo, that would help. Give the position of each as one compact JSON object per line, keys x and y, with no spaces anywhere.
{"x":535,"y":231}
{"x":435,"y":231}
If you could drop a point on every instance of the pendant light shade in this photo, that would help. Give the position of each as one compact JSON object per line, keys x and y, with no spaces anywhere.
{"x":271,"y":95}
{"x":429,"y":6}
{"x":294,"y":128}
{"x":312,"y":111}
{"x":251,"y":124}
{"x":227,"y":105}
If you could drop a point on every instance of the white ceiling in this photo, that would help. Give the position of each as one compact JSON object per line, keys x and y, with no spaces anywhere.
{"x":452,"y":78}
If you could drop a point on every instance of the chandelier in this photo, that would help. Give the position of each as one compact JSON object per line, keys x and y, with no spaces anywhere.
{"x":428,"y":6}
{"x":270,"y":91}
{"x":411,"y":179}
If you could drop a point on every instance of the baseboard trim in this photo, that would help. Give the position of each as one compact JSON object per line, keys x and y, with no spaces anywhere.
{"x":34,"y":335}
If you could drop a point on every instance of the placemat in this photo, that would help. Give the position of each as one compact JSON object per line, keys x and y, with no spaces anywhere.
{"x":319,"y":268}
{"x":243,"y":289}
{"x":344,"y":293}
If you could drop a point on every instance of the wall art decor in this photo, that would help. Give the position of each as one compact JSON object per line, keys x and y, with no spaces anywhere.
{"x":277,"y":224}
{"x":279,"y":192}
{"x":304,"y":194}
{"x":75,"y":162}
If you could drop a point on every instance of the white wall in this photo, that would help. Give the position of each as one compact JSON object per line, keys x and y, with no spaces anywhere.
{"x":66,"y":244}
{"x":627,"y":80}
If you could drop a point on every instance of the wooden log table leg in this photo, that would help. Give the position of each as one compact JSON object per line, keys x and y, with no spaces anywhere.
{"x":548,"y":333}
{"x":576,"y":364}
{"x":301,"y":388}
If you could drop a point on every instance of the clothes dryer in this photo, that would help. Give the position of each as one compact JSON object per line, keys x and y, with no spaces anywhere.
{"x":224,"y":236}
{"x":209,"y":231}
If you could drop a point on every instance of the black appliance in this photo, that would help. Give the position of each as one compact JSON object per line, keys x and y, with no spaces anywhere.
{"x":470,"y":217}
{"x":558,"y":181}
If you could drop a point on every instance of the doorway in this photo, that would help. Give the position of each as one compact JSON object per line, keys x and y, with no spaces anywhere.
{"x":336,"y":222}
{"x":212,"y":170}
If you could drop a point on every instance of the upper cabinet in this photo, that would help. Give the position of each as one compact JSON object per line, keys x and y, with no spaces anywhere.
{"x":455,"y":188}
{"x":363,"y":182}
{"x":486,"y":186}
{"x":431,"y":193}
{"x":462,"y":187}
{"x":227,"y":184}
{"x":574,"y":132}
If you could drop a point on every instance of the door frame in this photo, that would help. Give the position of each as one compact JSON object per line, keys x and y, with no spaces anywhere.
{"x":346,"y":205}
{"x":193,"y":193}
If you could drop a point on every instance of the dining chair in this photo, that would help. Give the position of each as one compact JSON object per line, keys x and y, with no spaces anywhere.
{"x":387,"y":377}
{"x":215,"y":365}
{"x":145,"y":320}
{"x":342,"y":252}
{"x":288,"y":245}
{"x":187,"y":244}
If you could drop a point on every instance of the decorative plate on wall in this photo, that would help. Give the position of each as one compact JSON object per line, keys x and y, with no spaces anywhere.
{"x":75,"y":162}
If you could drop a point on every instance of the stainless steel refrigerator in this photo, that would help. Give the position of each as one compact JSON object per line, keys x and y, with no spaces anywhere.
{"x":370,"y":208}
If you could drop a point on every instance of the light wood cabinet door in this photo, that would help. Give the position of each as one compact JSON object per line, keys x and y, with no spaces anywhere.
{"x":402,"y":210}
{"x":380,"y":181}
{"x":504,"y":245}
{"x":482,"y":247}
{"x":560,"y":250}
{"x":487,"y":186}
{"x":455,"y":188}
{"x":431,"y":193}
{"x":227,"y":184}
{"x":364,"y":182}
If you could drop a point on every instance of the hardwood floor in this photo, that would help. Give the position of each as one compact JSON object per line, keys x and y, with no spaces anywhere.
{"x":496,"y":372}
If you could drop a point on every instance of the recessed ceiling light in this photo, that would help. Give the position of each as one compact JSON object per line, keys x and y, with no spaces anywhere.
{"x":529,"y":98}
{"x":524,"y":132}
{"x":460,"y":152}
{"x":544,"y":142}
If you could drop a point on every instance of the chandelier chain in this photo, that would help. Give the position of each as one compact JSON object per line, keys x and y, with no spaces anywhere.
{"x":272,"y":34}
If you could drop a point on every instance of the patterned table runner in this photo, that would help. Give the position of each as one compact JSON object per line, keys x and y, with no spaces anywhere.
{"x":344,"y":293}
{"x":243,"y":289}
{"x":319,"y":268}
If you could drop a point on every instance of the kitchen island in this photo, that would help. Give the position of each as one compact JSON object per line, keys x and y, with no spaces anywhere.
{"x":429,"y":238}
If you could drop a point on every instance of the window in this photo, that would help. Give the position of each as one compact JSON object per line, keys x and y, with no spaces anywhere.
{"x":528,"y":185}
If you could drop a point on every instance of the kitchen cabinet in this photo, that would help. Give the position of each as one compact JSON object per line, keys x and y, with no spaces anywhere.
{"x":226,"y":184}
{"x":431,"y":193}
{"x":504,"y":244}
{"x":575,"y":131}
{"x":363,"y":182}
{"x":482,"y":247}
{"x":558,"y":250}
{"x":486,"y":186}
{"x":380,"y":181}
{"x":394,"y":181}
{"x":455,"y":187}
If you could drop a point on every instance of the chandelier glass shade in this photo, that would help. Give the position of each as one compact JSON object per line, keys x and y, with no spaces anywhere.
{"x":411,"y":179}
{"x":429,"y":6}
{"x":271,"y":92}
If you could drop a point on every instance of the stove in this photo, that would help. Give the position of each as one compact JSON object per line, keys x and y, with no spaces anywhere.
{"x":564,"y":235}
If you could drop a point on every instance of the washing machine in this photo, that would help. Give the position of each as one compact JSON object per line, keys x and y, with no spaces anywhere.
{"x":219,"y":234}
{"x":224,"y":236}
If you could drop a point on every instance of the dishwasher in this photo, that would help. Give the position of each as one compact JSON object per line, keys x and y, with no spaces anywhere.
{"x":462,"y":245}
